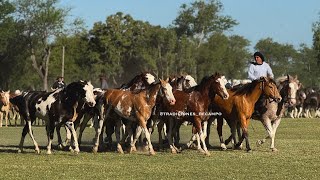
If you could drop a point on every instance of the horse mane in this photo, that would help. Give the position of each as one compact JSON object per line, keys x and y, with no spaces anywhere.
{"x":244,"y":89}
{"x":282,"y":79}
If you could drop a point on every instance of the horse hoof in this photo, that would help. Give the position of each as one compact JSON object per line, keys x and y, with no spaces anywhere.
{"x":207,"y":153}
{"x":249,"y":150}
{"x":120,"y":150}
{"x":173,"y":151}
{"x":223,"y":147}
{"x":259,"y":143}
{"x":60,"y":146}
{"x":274,"y":149}
{"x":20,"y":150}
{"x":37,"y":151}
{"x":152,"y":153}
{"x":202,"y":151}
{"x":94,"y":149}
{"x":49,"y":152}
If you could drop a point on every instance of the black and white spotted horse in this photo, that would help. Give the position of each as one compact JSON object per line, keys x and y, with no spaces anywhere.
{"x":54,"y":107}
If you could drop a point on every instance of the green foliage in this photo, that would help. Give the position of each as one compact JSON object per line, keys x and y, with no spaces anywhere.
{"x":201,"y":19}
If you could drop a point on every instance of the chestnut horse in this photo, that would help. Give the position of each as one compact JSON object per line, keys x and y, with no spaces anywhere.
{"x":136,"y":107}
{"x":195,"y":101}
{"x":238,"y":109}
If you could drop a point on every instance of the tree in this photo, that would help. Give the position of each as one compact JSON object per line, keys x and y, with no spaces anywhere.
{"x":201,"y":19}
{"x":42,"y":21}
{"x":227,"y":55}
{"x":279,"y":56}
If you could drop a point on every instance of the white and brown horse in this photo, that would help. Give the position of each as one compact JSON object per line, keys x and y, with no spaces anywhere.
{"x":136,"y":107}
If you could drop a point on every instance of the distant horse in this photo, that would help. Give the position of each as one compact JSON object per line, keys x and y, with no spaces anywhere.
{"x":54,"y":107}
{"x":297,"y":109}
{"x":196,"y":101}
{"x":137,"y":107}
{"x":312,"y":103}
{"x":238,"y":109}
{"x":4,"y":106}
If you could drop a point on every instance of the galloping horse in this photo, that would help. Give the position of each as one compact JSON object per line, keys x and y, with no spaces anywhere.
{"x":137,"y":107}
{"x":196,"y":100}
{"x":181,"y":83}
{"x":237,"y":110}
{"x":54,"y":107}
{"x":4,"y":106}
{"x":271,"y":115}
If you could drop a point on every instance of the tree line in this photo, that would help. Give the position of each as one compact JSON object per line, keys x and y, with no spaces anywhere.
{"x":33,"y":34}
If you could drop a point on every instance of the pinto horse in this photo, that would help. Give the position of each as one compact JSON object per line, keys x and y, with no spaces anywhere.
{"x":137,"y":107}
{"x":196,"y":100}
{"x":54,"y":107}
{"x":238,"y":109}
{"x":4,"y":106}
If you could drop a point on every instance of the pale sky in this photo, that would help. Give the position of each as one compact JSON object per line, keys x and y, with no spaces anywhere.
{"x":285,"y":21}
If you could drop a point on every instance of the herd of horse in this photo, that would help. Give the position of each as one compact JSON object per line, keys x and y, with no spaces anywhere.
{"x":146,"y":102}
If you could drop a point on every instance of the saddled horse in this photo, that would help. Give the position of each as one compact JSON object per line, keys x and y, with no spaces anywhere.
{"x":196,"y":101}
{"x":54,"y":107}
{"x":4,"y":106}
{"x":137,"y":107}
{"x":238,"y":108}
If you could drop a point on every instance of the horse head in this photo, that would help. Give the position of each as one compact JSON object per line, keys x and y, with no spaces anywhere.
{"x":4,"y":97}
{"x":293,"y":85}
{"x":189,"y":82}
{"x":219,"y":86}
{"x":81,"y":90}
{"x":270,"y":89}
{"x":166,"y":91}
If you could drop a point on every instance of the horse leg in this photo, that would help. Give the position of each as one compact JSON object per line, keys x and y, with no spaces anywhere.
{"x":97,"y":136}
{"x":208,"y":129}
{"x":275,"y":126}
{"x":50,"y":131}
{"x":219,"y":130}
{"x":6,"y":117}
{"x":83,"y":125}
{"x":244,"y":126}
{"x":197,"y":122}
{"x":58,"y":128}
{"x":147,"y":134}
{"x":117,"y":132}
{"x":1,"y":117}
{"x":171,"y":131}
{"x":136,"y":137}
{"x":70,"y":126}
{"x":160,"y":128}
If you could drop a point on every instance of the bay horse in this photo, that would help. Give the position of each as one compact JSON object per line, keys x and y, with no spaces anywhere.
{"x":195,"y":101}
{"x":55,"y":107}
{"x":137,"y":107}
{"x":4,"y":106}
{"x":238,"y":109}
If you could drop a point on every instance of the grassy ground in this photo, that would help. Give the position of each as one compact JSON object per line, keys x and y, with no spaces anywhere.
{"x":298,"y":158}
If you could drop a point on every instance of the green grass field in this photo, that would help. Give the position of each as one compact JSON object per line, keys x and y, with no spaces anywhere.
{"x":298,"y":157}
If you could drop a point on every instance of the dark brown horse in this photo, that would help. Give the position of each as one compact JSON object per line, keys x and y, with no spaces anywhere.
{"x":238,"y":109}
{"x":193,"y":106}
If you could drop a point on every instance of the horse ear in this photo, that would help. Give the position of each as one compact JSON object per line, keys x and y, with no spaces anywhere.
{"x":263,"y":78}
